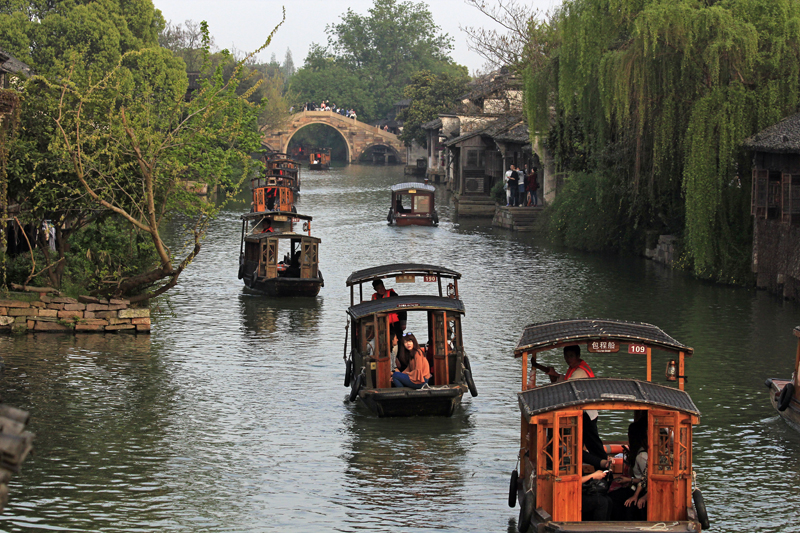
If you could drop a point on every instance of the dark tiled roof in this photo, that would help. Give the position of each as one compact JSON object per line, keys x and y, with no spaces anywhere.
{"x":432,"y":125}
{"x":388,"y":271}
{"x":494,"y":129}
{"x":9,"y":63}
{"x":406,"y":303}
{"x":545,"y":334}
{"x":413,"y":185}
{"x":782,"y":138}
{"x":576,"y":392}
{"x":517,"y":134}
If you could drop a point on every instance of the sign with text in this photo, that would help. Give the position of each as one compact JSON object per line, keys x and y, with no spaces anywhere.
{"x":603,"y":346}
{"x":404,"y":278}
{"x":430,"y":278}
{"x":637,"y":349}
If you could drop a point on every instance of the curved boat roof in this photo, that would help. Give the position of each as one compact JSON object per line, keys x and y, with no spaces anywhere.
{"x":396,"y":269}
{"x":413,"y":185}
{"x":577,"y":392}
{"x":576,"y":331}
{"x":276,"y":235}
{"x":269,"y":214}
{"x":406,"y":303}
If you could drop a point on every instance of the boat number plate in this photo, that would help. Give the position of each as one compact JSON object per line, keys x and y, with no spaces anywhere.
{"x":430,"y":278}
{"x":637,"y":348}
{"x":603,"y":347}
{"x":280,"y":218}
{"x":408,"y":305}
{"x":404,"y":278}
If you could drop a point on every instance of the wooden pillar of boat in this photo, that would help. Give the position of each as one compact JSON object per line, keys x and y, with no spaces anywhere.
{"x":649,"y":364}
{"x":681,"y":373}
{"x":360,"y":292}
{"x":797,"y":364}
{"x":439,"y":282}
{"x":455,"y":284}
{"x":351,"y":296}
{"x":525,"y":370}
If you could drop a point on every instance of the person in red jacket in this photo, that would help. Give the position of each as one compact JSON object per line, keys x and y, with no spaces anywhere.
{"x":395,"y":323}
{"x":578,"y":369}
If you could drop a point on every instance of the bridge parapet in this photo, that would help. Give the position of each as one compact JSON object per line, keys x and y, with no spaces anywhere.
{"x":358,"y":136}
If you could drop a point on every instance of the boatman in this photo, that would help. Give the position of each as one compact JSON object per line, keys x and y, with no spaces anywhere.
{"x":394,"y":319}
{"x":578,"y":369}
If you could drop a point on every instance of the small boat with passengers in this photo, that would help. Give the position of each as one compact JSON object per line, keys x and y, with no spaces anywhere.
{"x":280,"y":168}
{"x":562,"y":484}
{"x":413,"y":205}
{"x":319,"y":159}
{"x":267,"y":235}
{"x":783,"y":393}
{"x":273,"y":258}
{"x":382,"y":330}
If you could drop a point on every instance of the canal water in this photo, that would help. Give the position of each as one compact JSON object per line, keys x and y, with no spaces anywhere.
{"x":231,"y":415}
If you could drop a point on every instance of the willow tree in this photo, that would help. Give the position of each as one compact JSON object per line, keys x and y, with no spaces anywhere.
{"x":666,"y":92}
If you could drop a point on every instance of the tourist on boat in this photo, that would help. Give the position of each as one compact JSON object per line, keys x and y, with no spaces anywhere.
{"x":637,"y":439}
{"x":596,"y":504}
{"x":418,"y":372}
{"x":622,"y":488}
{"x":578,"y":369}
{"x":394,"y":320}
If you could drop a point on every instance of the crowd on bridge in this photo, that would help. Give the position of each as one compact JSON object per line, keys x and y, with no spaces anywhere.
{"x":327,"y":106}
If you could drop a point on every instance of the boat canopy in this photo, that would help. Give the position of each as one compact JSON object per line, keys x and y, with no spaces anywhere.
{"x":557,"y":333}
{"x":272,"y":214}
{"x":399,"y":269}
{"x":406,"y":303}
{"x":271,"y":235}
{"x":576,"y":392}
{"x":413,"y":185}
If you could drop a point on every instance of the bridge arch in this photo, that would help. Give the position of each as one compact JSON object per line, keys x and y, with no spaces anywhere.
{"x":390,"y":149}
{"x":347,"y":145}
{"x":358,"y":136}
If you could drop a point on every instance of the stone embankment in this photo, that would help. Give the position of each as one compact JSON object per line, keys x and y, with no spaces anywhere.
{"x":63,"y":314}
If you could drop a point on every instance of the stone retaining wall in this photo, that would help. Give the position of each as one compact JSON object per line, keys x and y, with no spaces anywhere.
{"x":664,"y":250}
{"x":59,"y":314}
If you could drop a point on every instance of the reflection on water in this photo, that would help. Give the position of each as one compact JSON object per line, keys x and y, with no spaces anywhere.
{"x":231,"y":415}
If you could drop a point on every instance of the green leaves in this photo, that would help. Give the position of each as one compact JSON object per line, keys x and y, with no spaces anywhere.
{"x":665,"y":93}
{"x":430,"y":95}
{"x":370,"y":58}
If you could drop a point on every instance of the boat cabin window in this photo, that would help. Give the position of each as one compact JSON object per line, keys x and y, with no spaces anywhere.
{"x":556,"y":456}
{"x":422,"y":203}
{"x":402,"y":203}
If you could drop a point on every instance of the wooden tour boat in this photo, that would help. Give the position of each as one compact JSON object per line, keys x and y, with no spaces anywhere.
{"x":267,"y":235}
{"x":369,"y":364}
{"x":413,"y":205}
{"x":784,"y":392}
{"x":319,"y":159}
{"x":552,"y":477}
{"x":280,"y":168}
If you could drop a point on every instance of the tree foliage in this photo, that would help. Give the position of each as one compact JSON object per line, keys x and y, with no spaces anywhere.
{"x":379,"y":53}
{"x":113,"y":149}
{"x":666,"y":92}
{"x":430,"y":95}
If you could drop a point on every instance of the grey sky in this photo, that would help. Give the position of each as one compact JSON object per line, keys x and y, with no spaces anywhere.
{"x":245,"y":24}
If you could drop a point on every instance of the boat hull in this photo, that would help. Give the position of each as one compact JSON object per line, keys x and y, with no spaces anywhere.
{"x":404,"y":402}
{"x":792,"y":413}
{"x":286,"y":287}
{"x":318,"y":166}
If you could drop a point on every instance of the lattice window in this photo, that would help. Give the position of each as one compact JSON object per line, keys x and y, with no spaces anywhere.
{"x":547,"y":451}
{"x":568,"y":445}
{"x":664,"y":437}
{"x":683,"y":449}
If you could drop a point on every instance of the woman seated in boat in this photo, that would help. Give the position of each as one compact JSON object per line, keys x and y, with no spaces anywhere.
{"x":419,"y":371}
{"x":638,"y":465}
{"x":596,"y":504}
{"x":623,"y":488}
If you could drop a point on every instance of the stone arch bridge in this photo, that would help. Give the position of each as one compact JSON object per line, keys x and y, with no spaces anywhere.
{"x":358,"y":136}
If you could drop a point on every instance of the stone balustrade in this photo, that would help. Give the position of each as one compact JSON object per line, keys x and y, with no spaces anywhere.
{"x":63,"y":314}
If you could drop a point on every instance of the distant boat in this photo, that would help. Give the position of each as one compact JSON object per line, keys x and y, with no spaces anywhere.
{"x":319,"y":159}
{"x":282,"y":169}
{"x":412,"y":204}
{"x":784,"y":392}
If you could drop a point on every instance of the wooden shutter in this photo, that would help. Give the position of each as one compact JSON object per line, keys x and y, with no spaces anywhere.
{"x":758,"y":200}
